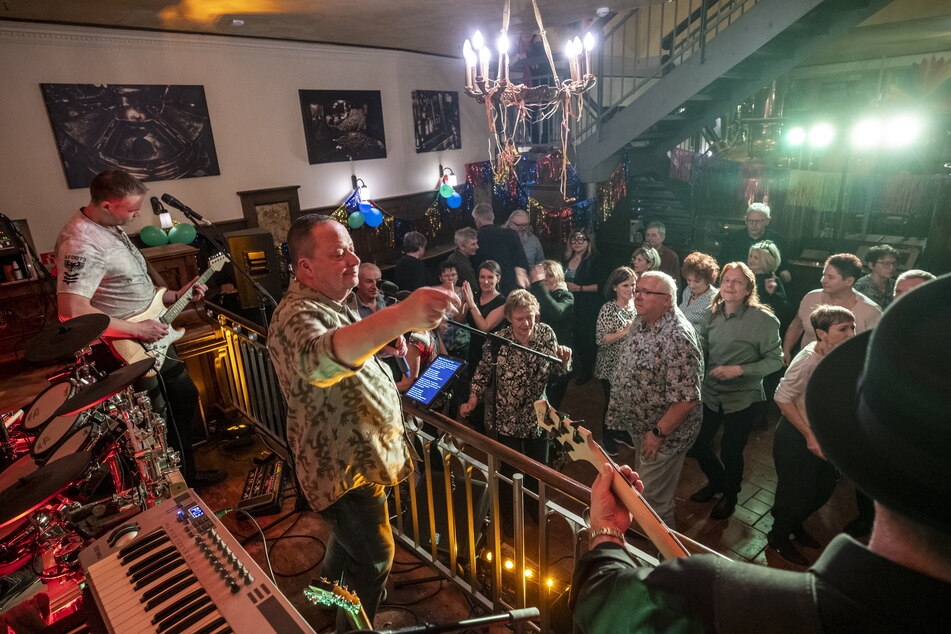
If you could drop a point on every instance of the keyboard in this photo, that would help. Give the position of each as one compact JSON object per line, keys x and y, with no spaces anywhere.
{"x":175,"y":569}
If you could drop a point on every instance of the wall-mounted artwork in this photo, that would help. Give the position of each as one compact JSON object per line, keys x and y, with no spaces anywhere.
{"x":154,"y":132}
{"x":436,"y":120}
{"x":343,"y":125}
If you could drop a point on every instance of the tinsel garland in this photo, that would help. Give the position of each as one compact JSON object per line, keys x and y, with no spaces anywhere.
{"x":612,"y":191}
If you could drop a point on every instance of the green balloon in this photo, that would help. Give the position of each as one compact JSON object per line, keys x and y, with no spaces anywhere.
{"x":355,"y":220}
{"x":182,"y":234}
{"x":446,"y":190}
{"x":153,"y":236}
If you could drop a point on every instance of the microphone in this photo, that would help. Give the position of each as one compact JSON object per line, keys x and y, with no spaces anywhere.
{"x":190,"y":213}
{"x":165,"y":218}
{"x":389,"y":289}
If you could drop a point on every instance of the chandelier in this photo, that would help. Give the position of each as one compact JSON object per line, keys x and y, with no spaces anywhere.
{"x":510,"y":106}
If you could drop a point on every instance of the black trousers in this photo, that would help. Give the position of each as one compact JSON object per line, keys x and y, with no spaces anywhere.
{"x":179,"y":411}
{"x":805,"y":481}
{"x":726,"y":471}
{"x":534,"y":448}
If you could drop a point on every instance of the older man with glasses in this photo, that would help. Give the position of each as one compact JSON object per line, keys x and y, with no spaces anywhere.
{"x":520,"y":222}
{"x":655,"y":391}
{"x":735,"y":246}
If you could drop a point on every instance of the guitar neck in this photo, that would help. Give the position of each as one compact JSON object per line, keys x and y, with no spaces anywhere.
{"x":175,"y":309}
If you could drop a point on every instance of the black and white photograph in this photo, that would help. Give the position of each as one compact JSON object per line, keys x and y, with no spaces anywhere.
{"x":154,"y":132}
{"x":343,"y":125}
{"x":436,"y":120}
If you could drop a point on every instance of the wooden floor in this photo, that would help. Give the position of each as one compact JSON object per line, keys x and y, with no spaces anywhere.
{"x":296,"y":545}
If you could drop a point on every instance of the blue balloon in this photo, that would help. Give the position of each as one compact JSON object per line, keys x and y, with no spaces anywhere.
{"x":364,"y":207}
{"x":374,"y":217}
{"x":454,"y":201}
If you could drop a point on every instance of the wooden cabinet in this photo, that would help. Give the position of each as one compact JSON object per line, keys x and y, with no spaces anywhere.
{"x":176,"y":263}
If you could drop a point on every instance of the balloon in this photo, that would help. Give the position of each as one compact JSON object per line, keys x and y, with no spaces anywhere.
{"x":182,"y":233}
{"x":446,"y":190}
{"x":153,"y":236}
{"x":355,"y":220}
{"x":374,"y":217}
{"x":454,"y":201}
{"x":364,"y":207}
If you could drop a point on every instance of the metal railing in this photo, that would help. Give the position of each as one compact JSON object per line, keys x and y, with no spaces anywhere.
{"x":449,"y":513}
{"x":646,"y":44}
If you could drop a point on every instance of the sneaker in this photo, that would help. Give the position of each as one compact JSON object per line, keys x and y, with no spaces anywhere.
{"x":208,"y":478}
{"x":624,"y":438}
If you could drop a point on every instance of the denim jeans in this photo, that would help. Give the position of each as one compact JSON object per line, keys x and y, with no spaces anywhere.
{"x":360,"y":552}
{"x":727,"y":475}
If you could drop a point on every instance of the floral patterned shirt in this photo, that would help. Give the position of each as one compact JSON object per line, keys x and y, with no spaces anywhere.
{"x":520,"y":380}
{"x":659,"y":364}
{"x":344,"y":423}
{"x":611,"y":319}
{"x":699,"y":309}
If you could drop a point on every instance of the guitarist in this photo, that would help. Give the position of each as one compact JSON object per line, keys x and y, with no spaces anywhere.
{"x":101,"y":271}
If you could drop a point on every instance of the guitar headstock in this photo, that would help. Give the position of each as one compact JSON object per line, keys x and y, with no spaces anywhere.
{"x":217,"y":261}
{"x":330,"y":594}
{"x":569,"y":438}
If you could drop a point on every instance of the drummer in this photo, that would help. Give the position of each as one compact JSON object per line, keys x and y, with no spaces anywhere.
{"x":100,"y":271}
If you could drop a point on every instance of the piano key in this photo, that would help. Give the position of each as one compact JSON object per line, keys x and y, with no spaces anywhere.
{"x":145,"y":563}
{"x":180,"y":602}
{"x":192,"y":619}
{"x":161,"y":567}
{"x":169,"y":593}
{"x":214,"y":627}
{"x":183,"y":612}
{"x":136,"y":548}
{"x":175,"y":578}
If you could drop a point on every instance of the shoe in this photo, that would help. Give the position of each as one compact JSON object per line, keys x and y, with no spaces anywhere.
{"x":785,"y":548}
{"x":208,"y":478}
{"x":724,"y":507}
{"x":806,"y":539}
{"x":858,"y":528}
{"x":707,"y":493}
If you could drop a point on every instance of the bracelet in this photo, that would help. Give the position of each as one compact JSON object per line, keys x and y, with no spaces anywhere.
{"x":605,"y":530}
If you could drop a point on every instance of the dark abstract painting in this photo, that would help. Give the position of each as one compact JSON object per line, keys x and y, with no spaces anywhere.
{"x":153,"y":132}
{"x":342,"y":125}
{"x":436,"y":120}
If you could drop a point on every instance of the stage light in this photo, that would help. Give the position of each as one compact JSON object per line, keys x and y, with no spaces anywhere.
{"x":902,"y":131}
{"x":796,"y":136}
{"x":867,"y":133}
{"x":821,"y":135}
{"x":509,"y":564}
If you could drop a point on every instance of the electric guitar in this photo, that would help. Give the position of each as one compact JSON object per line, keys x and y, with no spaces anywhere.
{"x":323,"y":592}
{"x":132,"y":350}
{"x":576,"y":442}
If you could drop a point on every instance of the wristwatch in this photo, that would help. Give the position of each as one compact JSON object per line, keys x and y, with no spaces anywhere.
{"x":656,"y":431}
{"x":605,"y":530}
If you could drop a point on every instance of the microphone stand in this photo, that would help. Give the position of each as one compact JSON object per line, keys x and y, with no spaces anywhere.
{"x":218,"y":240}
{"x":505,"y":342}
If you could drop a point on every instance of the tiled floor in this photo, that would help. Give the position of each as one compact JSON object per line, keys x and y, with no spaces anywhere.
{"x":742,"y":536}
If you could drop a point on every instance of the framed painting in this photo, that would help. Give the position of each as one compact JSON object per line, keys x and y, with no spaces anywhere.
{"x":436,"y":120}
{"x":342,"y":125}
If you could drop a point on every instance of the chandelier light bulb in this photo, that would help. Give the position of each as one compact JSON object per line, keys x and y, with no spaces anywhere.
{"x":570,"y":49}
{"x":588,"y":41}
{"x":485,"y":56}
{"x":503,"y":44}
{"x":468,"y":54}
{"x":578,"y":47}
{"x":477,"y":41}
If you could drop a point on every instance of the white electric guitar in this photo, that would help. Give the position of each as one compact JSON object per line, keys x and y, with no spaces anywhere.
{"x":132,"y":350}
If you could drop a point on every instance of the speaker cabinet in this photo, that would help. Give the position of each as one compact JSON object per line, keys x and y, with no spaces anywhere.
{"x":253,"y":251}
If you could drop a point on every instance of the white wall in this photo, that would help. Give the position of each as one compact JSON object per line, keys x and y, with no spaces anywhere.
{"x":251,"y":87}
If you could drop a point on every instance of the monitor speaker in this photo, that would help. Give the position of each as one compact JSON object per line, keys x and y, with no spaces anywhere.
{"x":254,"y":252}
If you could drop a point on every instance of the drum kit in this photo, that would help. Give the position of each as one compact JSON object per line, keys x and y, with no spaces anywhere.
{"x":87,"y":435}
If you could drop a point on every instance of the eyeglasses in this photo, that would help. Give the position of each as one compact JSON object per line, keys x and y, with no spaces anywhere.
{"x":641,"y":291}
{"x":578,"y":239}
{"x":755,"y":221}
{"x":519,"y":225}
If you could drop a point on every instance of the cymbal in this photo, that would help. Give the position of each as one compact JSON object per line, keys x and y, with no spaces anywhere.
{"x":37,"y":488}
{"x":101,"y":390}
{"x":64,"y":339}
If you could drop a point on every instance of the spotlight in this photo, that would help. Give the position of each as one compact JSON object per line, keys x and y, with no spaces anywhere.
{"x":867,"y":133}
{"x":821,"y":135}
{"x":796,"y":136}
{"x":902,"y":131}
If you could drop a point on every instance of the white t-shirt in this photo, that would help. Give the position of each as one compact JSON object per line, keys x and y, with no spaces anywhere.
{"x":792,"y":387}
{"x":867,"y":313}
{"x":102,"y":264}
